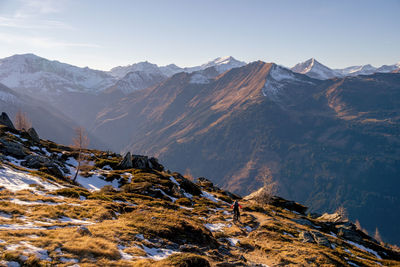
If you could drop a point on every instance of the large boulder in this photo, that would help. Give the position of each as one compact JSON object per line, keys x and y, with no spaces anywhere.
{"x":334,"y":217}
{"x":33,"y":135}
{"x":350,"y":234}
{"x":38,"y":162}
{"x":144,"y":162}
{"x":126,"y":163}
{"x":12,"y":149}
{"x":5,"y":120}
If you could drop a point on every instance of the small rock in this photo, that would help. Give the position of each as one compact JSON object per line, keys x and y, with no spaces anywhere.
{"x":5,"y":120}
{"x":321,"y":239}
{"x":83,"y":230}
{"x":306,"y":237}
{"x":33,"y":134}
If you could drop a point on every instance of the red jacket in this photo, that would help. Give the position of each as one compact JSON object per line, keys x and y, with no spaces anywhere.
{"x":234,"y":204}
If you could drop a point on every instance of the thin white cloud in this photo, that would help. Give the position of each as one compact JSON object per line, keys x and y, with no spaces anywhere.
{"x":29,"y":8}
{"x":13,"y":22}
{"x":41,"y":42}
{"x":30,"y":14}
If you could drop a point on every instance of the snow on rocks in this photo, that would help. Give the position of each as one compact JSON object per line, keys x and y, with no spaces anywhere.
{"x":209,"y":196}
{"x":31,"y":249}
{"x":158,"y":253}
{"x":15,"y":180}
{"x":361,"y":247}
{"x":124,"y":255}
{"x":165,"y":194}
{"x":199,"y":78}
{"x":174,"y":181}
{"x":95,"y":182}
{"x":233,"y":241}
{"x":216,"y":227}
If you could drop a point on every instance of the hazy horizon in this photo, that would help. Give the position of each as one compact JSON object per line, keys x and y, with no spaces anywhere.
{"x":101,"y":35}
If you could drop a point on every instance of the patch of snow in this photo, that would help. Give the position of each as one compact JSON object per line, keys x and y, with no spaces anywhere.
{"x":158,"y":253}
{"x":365,"y":249}
{"x":94,"y":182}
{"x":209,"y":196}
{"x":352,"y":264}
{"x":5,"y":216}
{"x":74,"y":221}
{"x":333,"y":234}
{"x":66,"y":260}
{"x":32,"y":203}
{"x":140,"y":236}
{"x":124,"y":256}
{"x":30,"y":249}
{"x":185,"y":208}
{"x":190,"y":196}
{"x":15,"y":180}
{"x":288,"y":234}
{"x":215,"y":227}
{"x":27,"y":226}
{"x":72,"y":161}
{"x":248,"y":228}
{"x":107,"y":167}
{"x":11,"y":263}
{"x":174,"y":181}
{"x":165,"y":194}
{"x":233,"y":241}
{"x":46,"y":152}
{"x":199,"y":78}
{"x":82,"y":198}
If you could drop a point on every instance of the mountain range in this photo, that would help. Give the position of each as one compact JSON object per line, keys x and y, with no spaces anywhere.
{"x":330,"y":137}
{"x":131,"y":211}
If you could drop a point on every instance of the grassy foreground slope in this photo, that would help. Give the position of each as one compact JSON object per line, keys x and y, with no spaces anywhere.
{"x":115,"y":216}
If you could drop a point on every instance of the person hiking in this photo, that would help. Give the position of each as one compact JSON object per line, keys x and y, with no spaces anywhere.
{"x":236,"y":213}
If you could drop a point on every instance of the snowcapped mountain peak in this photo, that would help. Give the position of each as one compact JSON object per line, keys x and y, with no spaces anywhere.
{"x":29,"y":73}
{"x":143,"y":66}
{"x":222,"y":64}
{"x":314,"y":69}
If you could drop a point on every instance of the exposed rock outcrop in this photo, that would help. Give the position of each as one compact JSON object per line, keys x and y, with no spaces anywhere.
{"x":144,"y":162}
{"x":38,"y":162}
{"x":126,"y":163}
{"x":12,"y":149}
{"x":33,"y":135}
{"x":5,"y":120}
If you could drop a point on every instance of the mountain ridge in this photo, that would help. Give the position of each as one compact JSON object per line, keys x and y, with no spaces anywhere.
{"x":103,"y":217}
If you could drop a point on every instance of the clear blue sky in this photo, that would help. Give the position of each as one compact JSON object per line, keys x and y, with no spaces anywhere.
{"x":103,"y":34}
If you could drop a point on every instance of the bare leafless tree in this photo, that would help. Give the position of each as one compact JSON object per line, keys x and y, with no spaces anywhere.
{"x":22,"y":121}
{"x":270,"y":187}
{"x":80,"y":142}
{"x":377,"y":236}
{"x":342,"y":211}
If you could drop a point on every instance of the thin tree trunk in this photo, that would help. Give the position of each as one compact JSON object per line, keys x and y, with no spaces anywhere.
{"x":78,"y":167}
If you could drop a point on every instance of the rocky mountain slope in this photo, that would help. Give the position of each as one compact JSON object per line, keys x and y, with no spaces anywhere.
{"x":316,"y":70}
{"x":131,"y":211}
{"x":49,"y":121}
{"x":326,"y":143}
{"x":38,"y":76}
